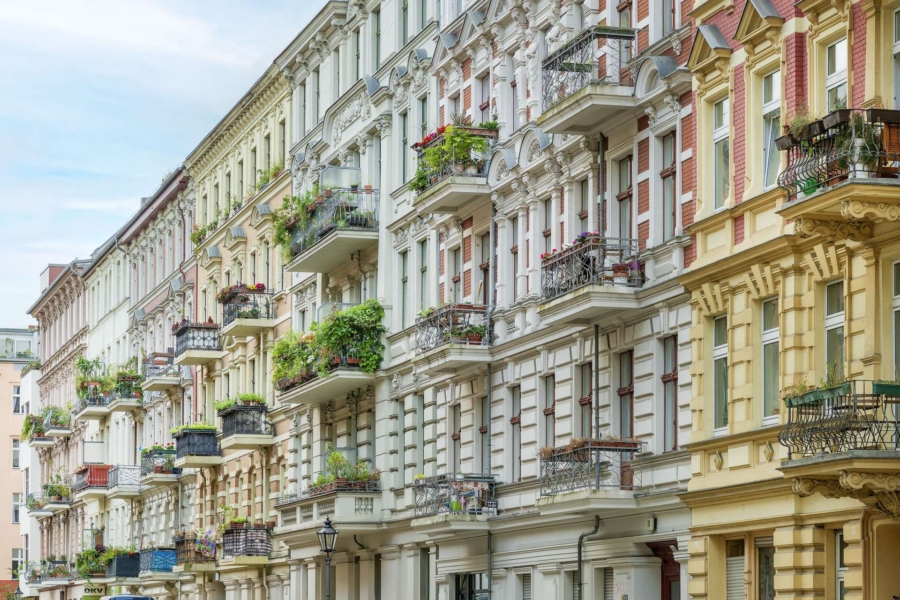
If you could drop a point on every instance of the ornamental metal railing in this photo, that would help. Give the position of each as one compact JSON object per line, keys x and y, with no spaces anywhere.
{"x":197,"y":336}
{"x":594,"y":465}
{"x":472,"y":163}
{"x":855,"y":415}
{"x":196,"y":443}
{"x":94,"y":401}
{"x":338,"y":209}
{"x":599,"y":54}
{"x":91,"y":477}
{"x":35,"y":501}
{"x":595,"y":260}
{"x":245,"y":420}
{"x":186,"y":552}
{"x":341,"y":487}
{"x":157,"y":560}
{"x":249,"y":540}
{"x":453,"y":323}
{"x":160,"y":462}
{"x":246,"y":305}
{"x":455,"y":493}
{"x":845,"y":144}
{"x":125,"y":477}
{"x":160,"y":364}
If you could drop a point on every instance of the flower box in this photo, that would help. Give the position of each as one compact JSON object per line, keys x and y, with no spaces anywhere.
{"x":886,"y":389}
{"x":124,"y":565}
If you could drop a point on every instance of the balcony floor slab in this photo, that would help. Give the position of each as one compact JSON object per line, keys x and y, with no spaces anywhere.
{"x":333,"y":250}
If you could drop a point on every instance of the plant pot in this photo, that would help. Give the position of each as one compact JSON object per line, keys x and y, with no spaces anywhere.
{"x":157,"y":469}
{"x":874,"y":115}
{"x":785,"y":142}
{"x":246,"y":403}
{"x":353,"y":360}
{"x":367,"y":189}
{"x":886,"y":389}
{"x":472,"y":170}
{"x":837,"y":117}
{"x":237,"y":525}
{"x":474,"y":338}
{"x":56,"y":498}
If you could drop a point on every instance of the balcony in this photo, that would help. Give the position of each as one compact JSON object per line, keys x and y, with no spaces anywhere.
{"x":246,"y":546}
{"x":248,"y":313}
{"x":197,"y":448}
{"x":57,"y":424}
{"x":157,"y":564}
{"x":91,"y":481}
{"x":842,"y":173}
{"x":453,"y":168}
{"x":160,"y":372}
{"x":587,"y":83}
{"x":90,"y":408}
{"x":844,"y":441}
{"x":123,"y":565}
{"x":351,"y":502}
{"x":41,"y":440}
{"x":57,"y":496}
{"x":342,"y":223}
{"x":54,"y":573}
{"x":188,"y":558}
{"x":455,"y":500}
{"x":596,"y":475}
{"x":36,"y":505}
{"x":158,"y":467}
{"x":594,"y":278}
{"x":197,"y":344}
{"x":124,"y":482}
{"x":452,"y":337}
{"x":245,"y":427}
{"x":345,"y":376}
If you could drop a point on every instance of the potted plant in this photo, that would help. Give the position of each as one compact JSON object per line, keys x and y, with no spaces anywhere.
{"x":886,"y":387}
{"x":620,"y":273}
{"x":839,"y":115}
{"x":475,"y":333}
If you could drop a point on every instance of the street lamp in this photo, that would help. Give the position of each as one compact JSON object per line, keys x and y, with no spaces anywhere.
{"x":327,"y":541}
{"x":17,"y":595}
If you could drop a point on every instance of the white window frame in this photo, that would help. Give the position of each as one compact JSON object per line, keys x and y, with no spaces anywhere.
{"x":720,"y":352}
{"x":896,"y":58}
{"x":771,"y":110}
{"x":895,"y":309}
{"x":769,"y":336}
{"x":721,"y":132}
{"x":17,"y":507}
{"x":839,"y":571}
{"x":18,"y":558}
{"x":18,"y":408}
{"x":549,"y":390}
{"x":838,"y":76}
{"x":833,"y":321}
{"x":16,"y":454}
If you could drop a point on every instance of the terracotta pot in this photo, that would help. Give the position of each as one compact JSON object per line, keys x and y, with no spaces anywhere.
{"x":474,"y":338}
{"x":157,"y":468}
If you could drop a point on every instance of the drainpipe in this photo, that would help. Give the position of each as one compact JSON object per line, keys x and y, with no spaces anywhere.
{"x":596,"y":392}
{"x":488,"y":330}
{"x":601,"y":174}
{"x":580,"y":548}
{"x":264,"y":581}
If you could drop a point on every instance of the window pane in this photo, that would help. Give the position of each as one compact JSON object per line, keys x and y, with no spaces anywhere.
{"x":766,"y":565}
{"x":897,"y":26}
{"x":834,"y":298}
{"x":720,"y":114}
{"x":772,"y":87}
{"x":625,"y":218}
{"x":773,"y":155}
{"x":625,"y":416}
{"x":670,"y":354}
{"x":722,"y":160}
{"x":897,"y":270}
{"x":834,"y":350}
{"x":670,"y":415}
{"x":669,"y":207}
{"x":896,"y":344}
{"x":669,"y":150}
{"x":770,"y":379}
{"x":720,"y":383}
{"x":837,"y":96}
{"x":770,"y":315}
{"x":720,"y":328}
{"x":836,"y":60}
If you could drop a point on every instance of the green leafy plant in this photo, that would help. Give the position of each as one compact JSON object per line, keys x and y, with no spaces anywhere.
{"x":353,"y":332}
{"x":113,"y":551}
{"x":491,"y":125}
{"x":221,"y":405}
{"x":420,"y":180}
{"x":459,"y":146}
{"x":192,"y":427}
{"x":266,"y":175}
{"x":257,"y":398}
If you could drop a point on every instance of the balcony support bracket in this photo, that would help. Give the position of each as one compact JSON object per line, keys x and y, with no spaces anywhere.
{"x":856,"y":231}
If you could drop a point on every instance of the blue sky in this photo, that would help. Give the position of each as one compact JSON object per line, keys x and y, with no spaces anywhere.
{"x":99,"y":99}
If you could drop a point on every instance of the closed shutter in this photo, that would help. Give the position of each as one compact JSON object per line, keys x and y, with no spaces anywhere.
{"x":608,"y":587}
{"x":526,"y":586}
{"x":734,"y":578}
{"x":576,"y":589}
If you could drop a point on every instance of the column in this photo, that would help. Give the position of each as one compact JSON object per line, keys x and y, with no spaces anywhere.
{"x":391,"y":583}
{"x":854,"y":577}
{"x":504,"y":260}
{"x":314,"y":588}
{"x":637,"y":576}
{"x":342,"y":584}
{"x":548,"y":584}
{"x":521,"y":272}
{"x":366,"y":574}
{"x":800,"y":563}
{"x":411,"y":585}
{"x":294,"y":581}
{"x":535,"y":246}
{"x":503,"y":584}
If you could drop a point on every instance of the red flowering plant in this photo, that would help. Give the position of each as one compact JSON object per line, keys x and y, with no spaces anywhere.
{"x":228,"y":292}
{"x":430,"y":137}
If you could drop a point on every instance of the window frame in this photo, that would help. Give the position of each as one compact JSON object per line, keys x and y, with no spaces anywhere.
{"x":669,"y":380}
{"x":840,"y":565}
{"x":18,"y":407}
{"x":456,"y":436}
{"x":769,"y":337}
{"x":839,"y":77}
{"x":404,"y":288}
{"x":404,"y":147}
{"x":484,"y":430}
{"x":720,"y":353}
{"x":625,"y":165}
{"x":16,"y":507}
{"x":835,"y":321}
{"x":721,"y":133}
{"x":586,"y":401}
{"x":668,"y":176}
{"x":423,"y":272}
{"x":625,"y":392}
{"x":515,"y":422}
{"x":549,"y":393}
{"x":584,"y":190}
{"x":16,"y":453}
{"x":771,"y":114}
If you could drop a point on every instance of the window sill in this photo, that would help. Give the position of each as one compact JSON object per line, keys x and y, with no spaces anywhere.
{"x":720,"y":432}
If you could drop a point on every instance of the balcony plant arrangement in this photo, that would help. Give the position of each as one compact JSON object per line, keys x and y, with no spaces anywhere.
{"x":221,"y":405}
{"x":193,"y":428}
{"x":57,"y":491}
{"x":88,"y":563}
{"x":251,"y":399}
{"x":886,"y":387}
{"x":458,"y":148}
{"x":293,"y":358}
{"x":475,"y":333}
{"x":294,"y":214}
{"x":238,"y":292}
{"x":352,"y":333}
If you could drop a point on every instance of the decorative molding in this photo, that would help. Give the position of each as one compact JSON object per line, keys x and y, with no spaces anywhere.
{"x":864,"y":210}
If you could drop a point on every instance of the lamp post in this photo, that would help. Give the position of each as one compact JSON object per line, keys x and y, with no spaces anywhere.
{"x":327,"y":541}
{"x":17,"y":595}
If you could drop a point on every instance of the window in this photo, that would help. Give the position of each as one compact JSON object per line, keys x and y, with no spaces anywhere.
{"x":668,"y":185}
{"x":423,"y":13}
{"x":548,"y":225}
{"x":840,"y":571}
{"x":318,"y":90}
{"x":515,"y":422}
{"x":404,"y":22}
{"x":836,"y":75}
{"x":765,"y":567}
{"x":587,"y":398}
{"x":771,"y":127}
{"x":624,"y":45}
{"x":670,"y":392}
{"x":626,"y":394}
{"x":377,"y":17}
{"x":423,"y":273}
{"x":720,"y":374}
{"x":722,"y":153}
{"x":15,"y":454}
{"x":485,"y":105}
{"x":834,"y":330}
{"x":624,"y":197}
{"x":267,"y":146}
{"x":356,"y":48}
{"x":485,"y":268}
{"x":16,"y":506}
{"x":734,"y":570}
{"x":240,"y":170}
{"x":404,"y":147}
{"x":585,"y":204}
{"x":895,"y":304}
{"x":18,"y":559}
{"x":770,"y":360}
{"x":550,"y":410}
{"x":456,"y":424}
{"x":404,"y":288}
{"x":484,"y":430}
{"x":514,"y":226}
{"x":668,"y":16}
{"x":456,"y":255}
{"x":515,"y":105}
{"x":253,"y":168}
{"x":282,"y":132}
{"x":423,"y":115}
{"x":17,"y":400}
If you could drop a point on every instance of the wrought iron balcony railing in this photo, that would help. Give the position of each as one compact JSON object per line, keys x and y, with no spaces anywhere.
{"x":595,"y":260}
{"x":196,"y":443}
{"x":187,"y":552}
{"x":35,"y":501}
{"x":473,"y":164}
{"x":453,"y":323}
{"x":455,"y":493}
{"x":246,"y":305}
{"x":126,"y":477}
{"x":847,"y":143}
{"x":246,"y":541}
{"x":599,"y":54}
{"x":197,"y":336}
{"x":95,"y":401}
{"x":91,"y":477}
{"x":160,"y":364}
{"x":595,"y":465}
{"x":159,"y":462}
{"x":157,"y":560}
{"x":339,"y":209}
{"x":856,"y":415}
{"x":245,"y":420}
